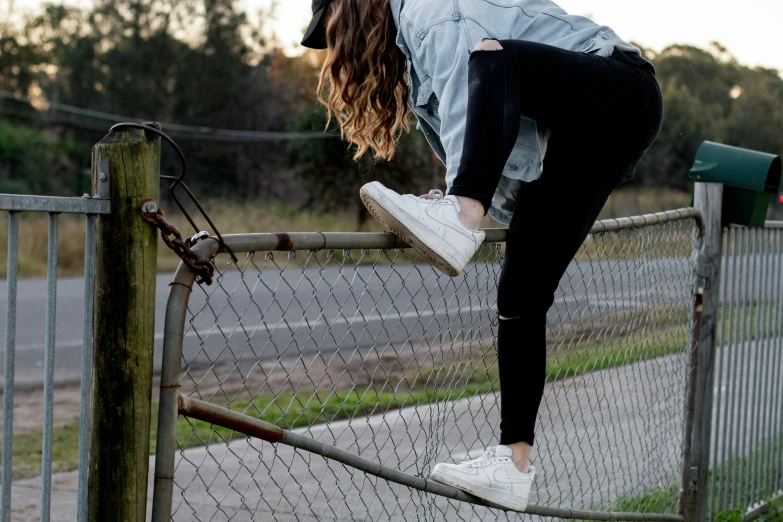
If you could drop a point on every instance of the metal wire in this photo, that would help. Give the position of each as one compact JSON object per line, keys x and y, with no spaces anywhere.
{"x":178,"y":181}
{"x":378,"y":354}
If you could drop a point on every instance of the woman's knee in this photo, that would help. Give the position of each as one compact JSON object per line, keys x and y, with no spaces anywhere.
{"x":488,"y":45}
{"x":523,"y":299}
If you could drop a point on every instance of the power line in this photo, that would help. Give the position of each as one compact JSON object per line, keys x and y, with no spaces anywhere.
{"x":174,"y":129}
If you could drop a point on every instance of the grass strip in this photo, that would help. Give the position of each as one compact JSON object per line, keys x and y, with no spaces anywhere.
{"x":27,"y":450}
{"x":732,"y":480}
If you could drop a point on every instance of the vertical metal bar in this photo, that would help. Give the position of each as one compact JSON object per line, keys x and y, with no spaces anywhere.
{"x":758,"y":376}
{"x":769,"y":393}
{"x":51,"y":317}
{"x":731,"y":385}
{"x":771,"y":435}
{"x":736,"y":470}
{"x":779,"y":368}
{"x":8,"y":370}
{"x":690,"y":400}
{"x":171,"y":367}
{"x":748,"y":361}
{"x":753,"y":365}
{"x":765,"y":399}
{"x":721,"y":352}
{"x":84,"y":408}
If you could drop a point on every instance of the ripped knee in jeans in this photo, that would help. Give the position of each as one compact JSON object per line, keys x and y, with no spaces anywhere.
{"x":503,"y":318}
{"x":488,"y":45}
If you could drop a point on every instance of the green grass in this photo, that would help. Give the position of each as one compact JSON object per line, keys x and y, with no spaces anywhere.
{"x":27,"y":451}
{"x":731,"y":478}
{"x":746,"y":320}
{"x":661,"y":500}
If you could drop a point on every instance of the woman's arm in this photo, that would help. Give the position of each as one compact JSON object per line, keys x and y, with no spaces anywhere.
{"x":448,"y":72}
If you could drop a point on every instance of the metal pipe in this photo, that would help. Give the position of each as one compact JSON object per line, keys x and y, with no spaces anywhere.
{"x":736,"y":311}
{"x":646,"y":220}
{"x":779,"y":365}
{"x":774,"y":332}
{"x":760,"y":376}
{"x":86,"y":384}
{"x":721,"y":353}
{"x":8,"y":370}
{"x":773,"y":335}
{"x":211,"y":413}
{"x":751,"y":283}
{"x":173,"y":335}
{"x":85,"y":205}
{"x":690,"y":402}
{"x":763,"y":425}
{"x":756,"y":343}
{"x":284,"y":242}
{"x":51,"y":318}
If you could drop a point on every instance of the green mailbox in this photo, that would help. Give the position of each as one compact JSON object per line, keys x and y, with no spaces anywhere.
{"x":748,"y":176}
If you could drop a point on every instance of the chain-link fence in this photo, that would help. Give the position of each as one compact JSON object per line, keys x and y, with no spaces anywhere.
{"x":747,"y":452}
{"x":347,"y":341}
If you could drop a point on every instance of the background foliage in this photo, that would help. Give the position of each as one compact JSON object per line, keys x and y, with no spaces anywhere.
{"x":205,"y":63}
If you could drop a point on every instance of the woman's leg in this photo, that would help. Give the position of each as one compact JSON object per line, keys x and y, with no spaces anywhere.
{"x":553,"y":216}
{"x":603,"y":102}
{"x":603,"y":114}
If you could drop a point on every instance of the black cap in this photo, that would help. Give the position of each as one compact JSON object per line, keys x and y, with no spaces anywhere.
{"x":315,"y":36}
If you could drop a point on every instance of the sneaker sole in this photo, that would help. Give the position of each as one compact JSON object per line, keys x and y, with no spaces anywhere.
{"x":501,"y":498}
{"x":399,"y":229}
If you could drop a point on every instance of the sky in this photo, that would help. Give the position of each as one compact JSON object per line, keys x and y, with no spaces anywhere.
{"x":749,"y":29}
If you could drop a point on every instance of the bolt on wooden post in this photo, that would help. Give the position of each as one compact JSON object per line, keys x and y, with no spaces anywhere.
{"x":124,"y":328}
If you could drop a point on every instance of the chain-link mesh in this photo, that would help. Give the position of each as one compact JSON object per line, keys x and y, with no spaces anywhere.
{"x":747,"y":449}
{"x":377,"y":353}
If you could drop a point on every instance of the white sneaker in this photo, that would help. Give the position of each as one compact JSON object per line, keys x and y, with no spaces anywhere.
{"x":493,"y":476}
{"x":430,"y":223}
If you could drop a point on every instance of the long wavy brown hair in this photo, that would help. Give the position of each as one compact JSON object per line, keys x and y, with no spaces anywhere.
{"x":362,"y":81}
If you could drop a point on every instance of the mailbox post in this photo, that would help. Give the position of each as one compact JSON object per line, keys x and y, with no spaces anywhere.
{"x":733,"y":187}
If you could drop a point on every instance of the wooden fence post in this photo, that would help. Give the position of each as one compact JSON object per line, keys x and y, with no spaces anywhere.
{"x":128,"y":161}
{"x":708,"y":199}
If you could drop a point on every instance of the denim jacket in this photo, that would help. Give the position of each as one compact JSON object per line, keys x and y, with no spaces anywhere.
{"x":437,"y":37}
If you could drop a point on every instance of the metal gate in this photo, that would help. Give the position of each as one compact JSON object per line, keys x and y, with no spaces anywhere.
{"x":16,"y":206}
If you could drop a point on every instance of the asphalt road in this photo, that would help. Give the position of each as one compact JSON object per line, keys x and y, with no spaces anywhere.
{"x":260,"y":316}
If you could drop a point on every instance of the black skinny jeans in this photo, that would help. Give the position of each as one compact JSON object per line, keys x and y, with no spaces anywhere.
{"x":603,"y":113}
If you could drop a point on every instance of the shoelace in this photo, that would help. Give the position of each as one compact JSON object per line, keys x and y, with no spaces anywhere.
{"x":490,"y":454}
{"x":433,"y":194}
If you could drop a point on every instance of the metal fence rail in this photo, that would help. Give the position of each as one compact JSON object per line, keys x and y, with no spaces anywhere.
{"x":53,"y":206}
{"x":354,"y":343}
{"x":747,"y":452}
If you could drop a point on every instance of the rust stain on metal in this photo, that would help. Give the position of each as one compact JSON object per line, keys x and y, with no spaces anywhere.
{"x":284,"y":242}
{"x":220,"y":416}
